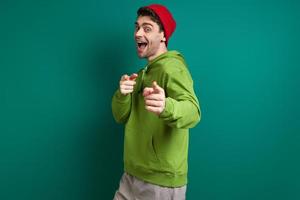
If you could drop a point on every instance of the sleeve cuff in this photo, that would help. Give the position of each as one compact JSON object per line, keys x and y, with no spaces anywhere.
{"x":169,"y":108}
{"x":121,"y":97}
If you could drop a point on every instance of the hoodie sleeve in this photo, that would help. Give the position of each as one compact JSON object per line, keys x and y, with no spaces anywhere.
{"x":121,"y":106}
{"x":182,"y":108}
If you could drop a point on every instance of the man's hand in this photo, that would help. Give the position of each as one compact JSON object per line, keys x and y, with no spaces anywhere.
{"x":127,"y":83}
{"x":154,"y":98}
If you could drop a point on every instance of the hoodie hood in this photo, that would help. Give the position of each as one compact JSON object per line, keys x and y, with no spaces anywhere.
{"x":168,"y":54}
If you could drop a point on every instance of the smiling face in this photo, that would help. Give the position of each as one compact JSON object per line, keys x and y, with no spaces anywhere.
{"x":150,"y":41}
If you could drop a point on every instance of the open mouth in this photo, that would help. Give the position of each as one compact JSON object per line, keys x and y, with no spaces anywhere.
{"x":141,"y":45}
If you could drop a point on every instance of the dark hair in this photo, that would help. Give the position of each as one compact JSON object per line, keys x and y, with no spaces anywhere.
{"x":144,"y":11}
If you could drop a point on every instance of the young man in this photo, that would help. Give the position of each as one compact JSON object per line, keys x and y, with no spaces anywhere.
{"x":158,"y":106}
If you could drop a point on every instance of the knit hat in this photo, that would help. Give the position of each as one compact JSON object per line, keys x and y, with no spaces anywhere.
{"x":166,"y":18}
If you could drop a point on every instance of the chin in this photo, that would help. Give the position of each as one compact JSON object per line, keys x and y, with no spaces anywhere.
{"x":141,"y":55}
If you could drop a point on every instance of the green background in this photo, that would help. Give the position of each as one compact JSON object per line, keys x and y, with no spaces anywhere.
{"x":61,"y":61}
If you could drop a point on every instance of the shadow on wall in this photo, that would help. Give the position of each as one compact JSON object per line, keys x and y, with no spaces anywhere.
{"x":107,"y":58}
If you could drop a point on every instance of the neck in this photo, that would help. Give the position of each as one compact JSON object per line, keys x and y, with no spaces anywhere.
{"x":161,"y":50}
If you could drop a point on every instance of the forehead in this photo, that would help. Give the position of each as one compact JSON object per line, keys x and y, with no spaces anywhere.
{"x":141,"y":20}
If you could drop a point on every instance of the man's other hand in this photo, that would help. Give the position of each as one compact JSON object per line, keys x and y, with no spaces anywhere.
{"x":154,"y":98}
{"x":127,"y":83}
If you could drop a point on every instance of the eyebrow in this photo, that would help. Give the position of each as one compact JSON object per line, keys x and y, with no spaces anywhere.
{"x":145,"y":23}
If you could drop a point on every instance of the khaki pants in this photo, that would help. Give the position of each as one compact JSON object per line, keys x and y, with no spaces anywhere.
{"x":132,"y":188}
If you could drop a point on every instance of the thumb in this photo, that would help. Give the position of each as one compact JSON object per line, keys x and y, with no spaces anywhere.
{"x":125,"y":77}
{"x":156,"y":87}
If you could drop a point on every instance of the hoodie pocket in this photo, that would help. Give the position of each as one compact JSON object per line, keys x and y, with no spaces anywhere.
{"x":153,"y":150}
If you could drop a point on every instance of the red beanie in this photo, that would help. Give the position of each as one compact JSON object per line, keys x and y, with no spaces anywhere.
{"x":166,"y":19}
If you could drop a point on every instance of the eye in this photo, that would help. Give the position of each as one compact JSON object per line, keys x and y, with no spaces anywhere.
{"x":136,"y":28}
{"x":147,"y":29}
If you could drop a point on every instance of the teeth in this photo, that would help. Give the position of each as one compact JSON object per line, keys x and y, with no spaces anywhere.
{"x":142,"y":44}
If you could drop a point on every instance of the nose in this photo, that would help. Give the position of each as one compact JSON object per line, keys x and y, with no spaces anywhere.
{"x":138,"y":33}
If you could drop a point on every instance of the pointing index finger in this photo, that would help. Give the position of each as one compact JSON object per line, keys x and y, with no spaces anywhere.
{"x":133,"y":76}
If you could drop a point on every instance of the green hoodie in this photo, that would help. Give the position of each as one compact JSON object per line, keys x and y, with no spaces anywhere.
{"x":156,"y":147}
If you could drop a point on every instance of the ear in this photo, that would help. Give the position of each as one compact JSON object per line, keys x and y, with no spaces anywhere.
{"x":163,"y":37}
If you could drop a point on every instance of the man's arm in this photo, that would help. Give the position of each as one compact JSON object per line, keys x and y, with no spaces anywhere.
{"x":180,"y":108}
{"x":121,"y":101}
